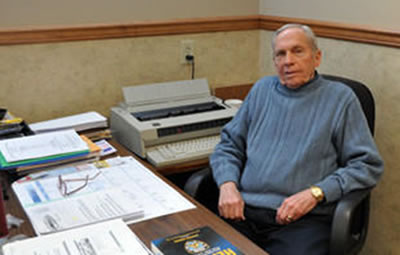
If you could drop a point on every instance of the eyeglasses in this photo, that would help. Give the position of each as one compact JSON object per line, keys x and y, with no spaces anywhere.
{"x":63,"y":187}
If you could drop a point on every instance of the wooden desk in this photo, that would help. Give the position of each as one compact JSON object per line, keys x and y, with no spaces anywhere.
{"x":183,"y":167}
{"x":153,"y":228}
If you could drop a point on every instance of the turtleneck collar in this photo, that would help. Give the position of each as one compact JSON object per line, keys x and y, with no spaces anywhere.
{"x":308,"y":86}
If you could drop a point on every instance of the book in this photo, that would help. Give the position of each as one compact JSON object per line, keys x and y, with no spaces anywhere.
{"x":199,"y":241}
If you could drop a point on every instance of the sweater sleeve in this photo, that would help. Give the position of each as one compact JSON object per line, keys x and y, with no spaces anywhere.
{"x":360,"y":165}
{"x":229,"y":155}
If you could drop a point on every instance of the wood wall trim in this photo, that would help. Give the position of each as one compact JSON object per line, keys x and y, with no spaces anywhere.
{"x":198,"y":25}
{"x":341,"y":31}
{"x":137,"y":29}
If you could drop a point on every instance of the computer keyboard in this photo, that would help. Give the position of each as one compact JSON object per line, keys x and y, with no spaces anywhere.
{"x":182,"y":151}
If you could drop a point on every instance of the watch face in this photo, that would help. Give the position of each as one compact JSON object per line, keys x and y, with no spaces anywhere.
{"x":317,"y":193}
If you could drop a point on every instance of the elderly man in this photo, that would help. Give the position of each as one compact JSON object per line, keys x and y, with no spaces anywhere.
{"x":295,"y":147}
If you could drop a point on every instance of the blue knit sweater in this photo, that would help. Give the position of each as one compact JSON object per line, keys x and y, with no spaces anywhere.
{"x":283,"y":140}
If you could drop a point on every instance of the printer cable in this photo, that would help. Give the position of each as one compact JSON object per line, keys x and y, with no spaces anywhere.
{"x":190,"y":59}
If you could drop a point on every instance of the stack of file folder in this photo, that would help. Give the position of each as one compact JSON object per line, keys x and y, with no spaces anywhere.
{"x":45,"y":150}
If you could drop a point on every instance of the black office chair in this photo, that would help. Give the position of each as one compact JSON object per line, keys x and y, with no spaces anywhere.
{"x":350,"y":220}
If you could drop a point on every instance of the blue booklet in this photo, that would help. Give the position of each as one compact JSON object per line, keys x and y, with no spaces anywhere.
{"x":199,"y":241}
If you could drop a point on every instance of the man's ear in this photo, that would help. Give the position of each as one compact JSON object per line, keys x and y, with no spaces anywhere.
{"x":317,"y":58}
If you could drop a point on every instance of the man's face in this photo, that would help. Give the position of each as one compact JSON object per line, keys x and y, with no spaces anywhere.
{"x":294,"y":59}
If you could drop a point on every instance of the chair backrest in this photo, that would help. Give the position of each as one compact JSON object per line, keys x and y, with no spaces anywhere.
{"x":360,"y":216}
{"x":364,"y":96}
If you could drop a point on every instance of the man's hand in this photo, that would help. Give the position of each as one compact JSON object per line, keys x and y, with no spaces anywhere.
{"x":295,"y":207}
{"x":231,"y":204}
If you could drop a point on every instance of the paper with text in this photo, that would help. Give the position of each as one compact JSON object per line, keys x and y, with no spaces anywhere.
{"x":126,"y":186}
{"x":107,"y":238}
{"x":43,"y":145}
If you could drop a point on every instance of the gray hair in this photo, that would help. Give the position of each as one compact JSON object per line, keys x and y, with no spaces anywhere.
{"x":306,"y":29}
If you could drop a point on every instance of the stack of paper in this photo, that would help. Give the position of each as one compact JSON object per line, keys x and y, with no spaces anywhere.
{"x":44,"y":149}
{"x":95,"y":152}
{"x":78,"y":122}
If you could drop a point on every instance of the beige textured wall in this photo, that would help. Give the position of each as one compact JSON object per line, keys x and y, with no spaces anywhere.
{"x":378,"y":14}
{"x":17,"y":13}
{"x":379,"y":68}
{"x":45,"y":81}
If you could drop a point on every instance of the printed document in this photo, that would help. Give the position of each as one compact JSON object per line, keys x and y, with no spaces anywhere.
{"x":127,"y":190}
{"x":106,"y":238}
{"x":43,"y":145}
{"x":157,"y":197}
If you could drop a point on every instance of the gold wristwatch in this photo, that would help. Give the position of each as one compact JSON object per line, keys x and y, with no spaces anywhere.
{"x":317,"y":193}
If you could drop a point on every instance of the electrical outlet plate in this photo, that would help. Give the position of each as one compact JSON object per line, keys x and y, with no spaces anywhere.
{"x":187,"y":48}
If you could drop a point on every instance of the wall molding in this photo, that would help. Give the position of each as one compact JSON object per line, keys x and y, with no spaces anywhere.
{"x":137,"y":29}
{"x":361,"y":34}
{"x":332,"y":30}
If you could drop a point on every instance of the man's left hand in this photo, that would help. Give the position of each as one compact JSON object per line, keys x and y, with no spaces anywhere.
{"x":295,"y":207}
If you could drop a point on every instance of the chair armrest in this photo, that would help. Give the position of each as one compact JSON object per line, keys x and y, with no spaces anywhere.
{"x":350,"y":223}
{"x":202,"y":187}
{"x":192,"y":185}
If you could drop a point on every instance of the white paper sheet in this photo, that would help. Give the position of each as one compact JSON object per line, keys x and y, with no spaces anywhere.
{"x":42,"y":145}
{"x":157,"y":197}
{"x":106,"y":238}
{"x":126,"y":184}
{"x":83,"y":210}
